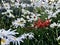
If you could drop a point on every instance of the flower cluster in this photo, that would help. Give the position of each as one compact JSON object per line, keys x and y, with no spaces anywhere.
{"x":9,"y":36}
{"x":25,"y":15}
{"x":19,"y":14}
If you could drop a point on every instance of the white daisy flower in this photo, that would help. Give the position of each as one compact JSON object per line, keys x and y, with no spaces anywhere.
{"x":12,"y":0}
{"x":9,"y":36}
{"x":38,"y":4}
{"x":58,"y":25}
{"x":10,"y":15}
{"x":6,"y":6}
{"x":5,"y":33}
{"x":23,"y":5}
{"x":9,"y":12}
{"x":25,"y":11}
{"x":53,"y":25}
{"x":18,"y":1}
{"x":20,"y":39}
{"x":17,"y":4}
{"x":33,"y":17}
{"x":19,"y":22}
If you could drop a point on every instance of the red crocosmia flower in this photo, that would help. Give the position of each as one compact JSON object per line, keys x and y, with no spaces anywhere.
{"x":41,"y":24}
{"x":47,"y":22}
{"x":35,"y":23}
{"x":38,"y":24}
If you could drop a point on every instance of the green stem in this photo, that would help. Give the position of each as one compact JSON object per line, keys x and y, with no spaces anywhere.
{"x":28,"y":41}
{"x":42,"y":42}
{"x":56,"y":32}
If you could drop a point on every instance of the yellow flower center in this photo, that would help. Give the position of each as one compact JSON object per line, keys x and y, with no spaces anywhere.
{"x":20,"y":22}
{"x":2,"y":41}
{"x":14,"y":38}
